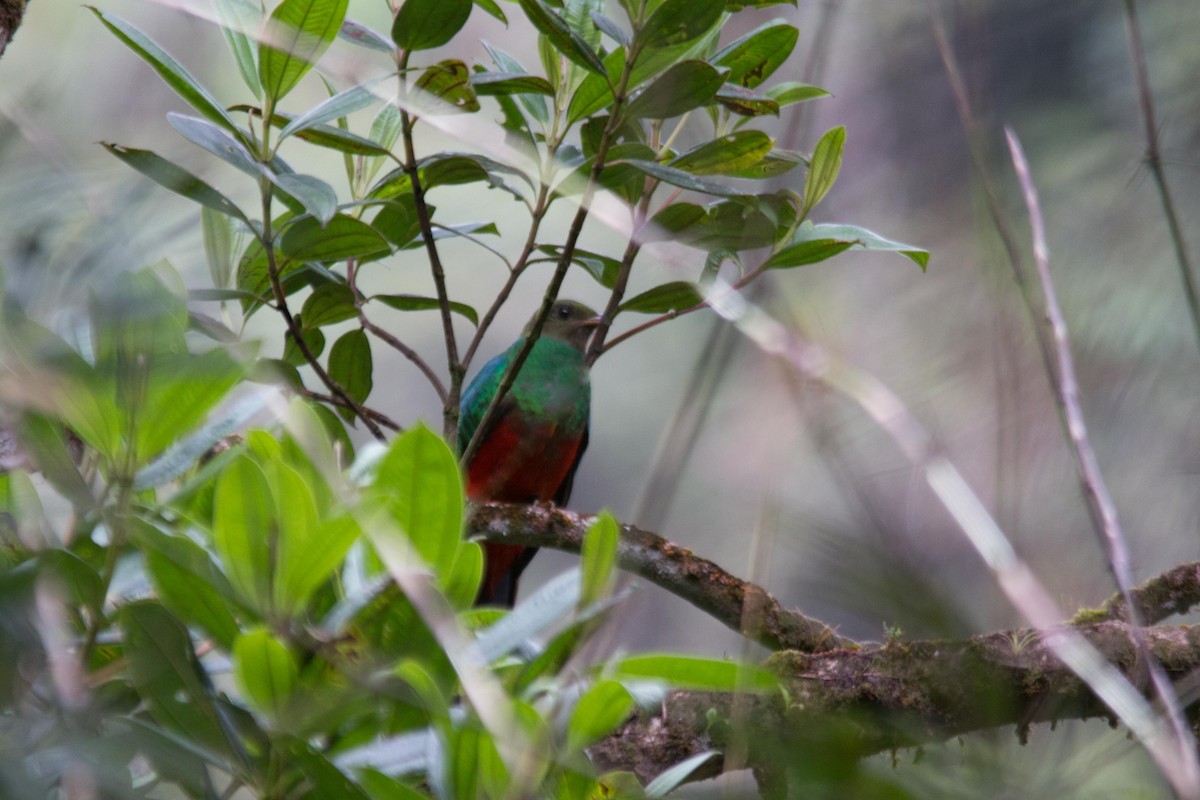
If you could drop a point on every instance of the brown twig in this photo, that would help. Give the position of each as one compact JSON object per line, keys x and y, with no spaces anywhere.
{"x":1141,"y":78}
{"x":1175,"y":591}
{"x":678,"y":570}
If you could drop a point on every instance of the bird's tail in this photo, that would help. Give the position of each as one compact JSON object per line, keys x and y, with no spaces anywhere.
{"x":502,"y":567}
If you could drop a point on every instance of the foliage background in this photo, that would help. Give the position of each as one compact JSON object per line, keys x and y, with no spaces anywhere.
{"x":786,"y":485}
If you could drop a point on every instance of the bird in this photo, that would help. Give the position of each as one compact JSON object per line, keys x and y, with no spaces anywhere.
{"x":532,"y":446}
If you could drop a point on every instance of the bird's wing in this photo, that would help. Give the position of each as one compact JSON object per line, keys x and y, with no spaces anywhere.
{"x":564,"y":489}
{"x":478,"y":397}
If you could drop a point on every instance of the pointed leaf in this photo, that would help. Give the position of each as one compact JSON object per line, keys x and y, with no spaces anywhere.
{"x":243,"y":526}
{"x":239,"y":19}
{"x":411,"y":302}
{"x":813,"y":243}
{"x":670,"y":779}
{"x":350,"y":364}
{"x":824,"y":167}
{"x":177,"y":179}
{"x":493,"y":83}
{"x":598,"y":559}
{"x":677,"y":177}
{"x":599,"y":711}
{"x":315,"y":195}
{"x":792,"y":92}
{"x":746,"y":102}
{"x":341,"y":104}
{"x":295,"y":36}
{"x":265,"y":671}
{"x":170,"y":70}
{"x":362,"y":35}
{"x":425,"y":24}
{"x":218,"y":245}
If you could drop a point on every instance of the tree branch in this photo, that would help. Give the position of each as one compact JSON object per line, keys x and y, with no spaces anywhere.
{"x":699,"y":581}
{"x":881,"y":697}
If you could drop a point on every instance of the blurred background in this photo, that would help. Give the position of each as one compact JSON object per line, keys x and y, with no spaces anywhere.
{"x":782,"y":482}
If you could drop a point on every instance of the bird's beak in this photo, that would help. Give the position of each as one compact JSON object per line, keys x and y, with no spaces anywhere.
{"x":593,"y":322}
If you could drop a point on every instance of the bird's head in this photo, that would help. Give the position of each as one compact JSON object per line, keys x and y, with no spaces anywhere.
{"x":570,"y":322}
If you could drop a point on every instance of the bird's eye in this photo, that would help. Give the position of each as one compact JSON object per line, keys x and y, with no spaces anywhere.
{"x":563,"y":312}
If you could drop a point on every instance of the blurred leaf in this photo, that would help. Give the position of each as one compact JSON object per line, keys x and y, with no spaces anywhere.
{"x":676,"y":22}
{"x":171,"y":71}
{"x":265,"y":671}
{"x":362,"y":35}
{"x":773,"y":164}
{"x":326,"y":780}
{"x":604,"y":706}
{"x":611,"y":29}
{"x":328,"y":305}
{"x":548,"y":606}
{"x":315,"y":195}
{"x":746,"y":102}
{"x":168,"y":678}
{"x":411,"y":302}
{"x":425,"y":24}
{"x":177,"y":179}
{"x":677,"y":177}
{"x":598,"y":559}
{"x":236,"y":17}
{"x":244,"y":526}
{"x":559,"y":33}
{"x":753,"y":58}
{"x":692,"y":672}
{"x":341,"y":104}
{"x":350,"y":366}
{"x":344,"y":237}
{"x":384,"y":787}
{"x":45,"y":443}
{"x":178,"y":395}
{"x":684,"y":86}
{"x":534,"y":104}
{"x":791,"y":92}
{"x":295,"y":36}
{"x":674,"y":296}
{"x":187,"y":581}
{"x":419,"y":483}
{"x":309,"y":553}
{"x":806,"y":251}
{"x":824,"y":167}
{"x":449,"y":81}
{"x":219,"y":238}
{"x":494,"y":83}
{"x":672,"y":778}
{"x":730,"y":153}
{"x":462,"y":586}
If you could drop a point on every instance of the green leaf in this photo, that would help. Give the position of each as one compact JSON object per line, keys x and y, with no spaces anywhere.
{"x":674,"y":296}
{"x":600,"y":709}
{"x":450,"y":82}
{"x":692,"y":672}
{"x":244,"y":525}
{"x":813,"y":243}
{"x":603,"y":268}
{"x":315,"y":195}
{"x":187,"y":581}
{"x":772,"y":165}
{"x":179,"y":393}
{"x":170,"y":70}
{"x":350,"y":365}
{"x":535,"y":105}
{"x":326,"y":781}
{"x":419,"y":483}
{"x":411,"y":302}
{"x":670,"y":779}
{"x":265,"y":672}
{"x":746,"y":102}
{"x":792,"y":92}
{"x":328,"y":305}
{"x":166,"y":674}
{"x":731,"y":153}
{"x":679,"y":21}
{"x":752,"y":58}
{"x":295,"y":36}
{"x":46,"y":445}
{"x":824,"y":167}
{"x":677,"y":177}
{"x":462,"y":585}
{"x":684,"y":86}
{"x":341,"y":104}
{"x":344,"y":237}
{"x":559,"y":34}
{"x":488,"y":84}
{"x":238,"y":18}
{"x":219,"y":244}
{"x":425,"y":24}
{"x":177,"y":179}
{"x":598,"y":559}
{"x":217,"y":141}
{"x":611,"y":29}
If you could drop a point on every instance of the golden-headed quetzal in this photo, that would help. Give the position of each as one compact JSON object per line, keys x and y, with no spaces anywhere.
{"x":533,"y":443}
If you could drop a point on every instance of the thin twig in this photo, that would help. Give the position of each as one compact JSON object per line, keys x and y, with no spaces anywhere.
{"x":1099,"y":501}
{"x":334,"y":400}
{"x":1141,"y":76}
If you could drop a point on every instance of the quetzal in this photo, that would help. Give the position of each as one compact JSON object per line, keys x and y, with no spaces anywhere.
{"x":533,"y":444}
